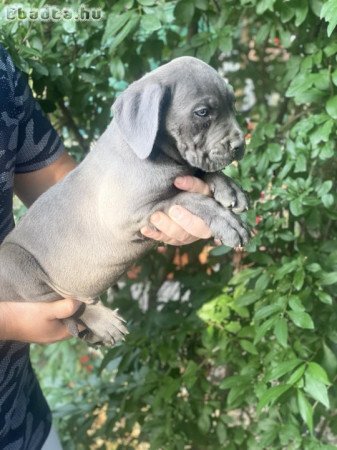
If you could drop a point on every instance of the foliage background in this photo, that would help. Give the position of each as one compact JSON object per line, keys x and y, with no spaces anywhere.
{"x":245,"y":357}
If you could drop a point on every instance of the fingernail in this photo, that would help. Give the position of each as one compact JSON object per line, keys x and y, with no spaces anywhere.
{"x":176,"y":212}
{"x":180,"y":181}
{"x":146,"y":231}
{"x":155,"y":219}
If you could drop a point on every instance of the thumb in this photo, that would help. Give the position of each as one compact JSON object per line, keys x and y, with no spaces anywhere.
{"x":62,"y":309}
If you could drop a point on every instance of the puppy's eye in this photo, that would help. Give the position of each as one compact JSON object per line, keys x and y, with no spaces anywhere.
{"x":202,"y":112}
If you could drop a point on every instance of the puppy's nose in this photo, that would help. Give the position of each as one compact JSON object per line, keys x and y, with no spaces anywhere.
{"x":238,"y":149}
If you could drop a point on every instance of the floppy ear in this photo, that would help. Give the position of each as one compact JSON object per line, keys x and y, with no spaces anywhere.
{"x":137,"y":114}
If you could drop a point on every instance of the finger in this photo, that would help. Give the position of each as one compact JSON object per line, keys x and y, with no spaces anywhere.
{"x":192,"y":184}
{"x":178,"y":236}
{"x":158,"y":236}
{"x":62,"y":309}
{"x":162,"y":237}
{"x":189,"y":222}
{"x":170,"y":228}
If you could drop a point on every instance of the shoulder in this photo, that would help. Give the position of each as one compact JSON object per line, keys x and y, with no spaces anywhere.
{"x":9,"y":75}
{"x":6,"y":62}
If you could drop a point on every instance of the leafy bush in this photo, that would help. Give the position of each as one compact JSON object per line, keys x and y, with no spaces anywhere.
{"x":245,"y":357}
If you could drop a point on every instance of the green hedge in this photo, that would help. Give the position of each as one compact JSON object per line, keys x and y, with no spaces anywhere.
{"x":246,"y":355}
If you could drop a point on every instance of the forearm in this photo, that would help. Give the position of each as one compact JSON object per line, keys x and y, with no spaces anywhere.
{"x":29,"y":186}
{"x":34,"y":321}
{"x":5,"y":326}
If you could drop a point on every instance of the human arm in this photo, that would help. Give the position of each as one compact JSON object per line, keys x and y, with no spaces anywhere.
{"x":35,"y":322}
{"x":29,"y":186}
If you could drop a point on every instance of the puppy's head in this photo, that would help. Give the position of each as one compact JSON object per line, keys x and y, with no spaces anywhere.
{"x":187,"y":103}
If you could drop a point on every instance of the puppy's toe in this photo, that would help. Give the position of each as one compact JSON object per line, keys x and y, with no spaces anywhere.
{"x":229,"y":229}
{"x":241,"y":203}
{"x":226,"y":197}
{"x":104,"y":325}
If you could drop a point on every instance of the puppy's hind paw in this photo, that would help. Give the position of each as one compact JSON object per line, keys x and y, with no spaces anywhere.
{"x":103,"y":325}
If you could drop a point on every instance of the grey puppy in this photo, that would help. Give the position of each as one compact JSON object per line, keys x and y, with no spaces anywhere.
{"x":81,"y":235}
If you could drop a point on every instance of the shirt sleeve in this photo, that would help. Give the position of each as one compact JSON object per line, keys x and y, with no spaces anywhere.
{"x":38,"y":144}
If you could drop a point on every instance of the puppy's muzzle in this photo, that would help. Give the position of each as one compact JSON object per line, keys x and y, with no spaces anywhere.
{"x":238,"y":149}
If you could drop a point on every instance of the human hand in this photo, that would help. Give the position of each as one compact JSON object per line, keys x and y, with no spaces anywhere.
{"x":180,"y":227}
{"x":36,"y":322}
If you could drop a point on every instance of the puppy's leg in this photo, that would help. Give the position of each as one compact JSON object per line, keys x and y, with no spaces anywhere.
{"x":226,"y":192}
{"x":102,"y":325}
{"x":224,"y":224}
{"x":23,"y":279}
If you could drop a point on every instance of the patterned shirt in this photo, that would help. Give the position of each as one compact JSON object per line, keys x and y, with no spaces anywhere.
{"x":27,"y":143}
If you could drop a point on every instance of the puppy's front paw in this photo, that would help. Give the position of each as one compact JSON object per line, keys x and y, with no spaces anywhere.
{"x":229,"y":230}
{"x":226,"y":192}
{"x":103,"y":325}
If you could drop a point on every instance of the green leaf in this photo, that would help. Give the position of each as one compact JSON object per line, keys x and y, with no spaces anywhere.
{"x":328,"y":200}
{"x":248,"y":347}
{"x":39,"y":68}
{"x":296,"y":207}
{"x":263,"y":33}
{"x":262,"y":329}
{"x":150,"y":23}
{"x":235,"y":380}
{"x":331,"y":105}
{"x":285,"y":269}
{"x":202,"y":4}
{"x":324,"y":297}
{"x":327,"y":279}
{"x":317,"y":390}
{"x":328,"y":13}
{"x":190,"y":374}
{"x":262,"y":282}
{"x":297,"y":375}
{"x":301,"y":319}
{"x":274,"y":152}
{"x":330,"y":359}
{"x":318,"y":373}
{"x":147,"y":2}
{"x":69,"y":26}
{"x":248,"y":298}
{"x":221,"y":432}
{"x":299,"y":279}
{"x":327,"y":151}
{"x":114,"y":24}
{"x":330,"y":49}
{"x":267,"y":311}
{"x":301,"y":11}
{"x":204,"y":422}
{"x":334,"y":77}
{"x":215,"y":310}
{"x":305,"y":409}
{"x":281,"y":369}
{"x":281,"y":331}
{"x":295,"y":303}
{"x":300,"y":84}
{"x":271,"y":395}
{"x":221,"y":250}
{"x":122,"y":35}
{"x":184,"y":12}
{"x":314,"y":267}
{"x":324,"y":188}
{"x":301,"y":164}
{"x":264,"y":5}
